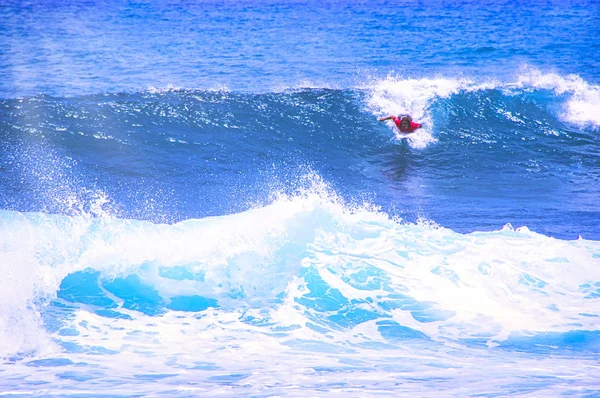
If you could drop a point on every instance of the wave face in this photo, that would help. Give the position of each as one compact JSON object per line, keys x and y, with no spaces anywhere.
{"x":198,"y":199}
{"x":524,"y":152}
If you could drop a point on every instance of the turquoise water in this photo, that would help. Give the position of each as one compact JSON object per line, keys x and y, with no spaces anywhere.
{"x":198,"y":199}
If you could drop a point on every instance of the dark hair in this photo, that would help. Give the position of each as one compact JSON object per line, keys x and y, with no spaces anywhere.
{"x":405,"y":117}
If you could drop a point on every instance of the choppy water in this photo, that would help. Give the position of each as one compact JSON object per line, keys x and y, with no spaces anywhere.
{"x":197,"y":199}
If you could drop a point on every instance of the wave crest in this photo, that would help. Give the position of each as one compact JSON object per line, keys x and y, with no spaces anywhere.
{"x":394,"y":95}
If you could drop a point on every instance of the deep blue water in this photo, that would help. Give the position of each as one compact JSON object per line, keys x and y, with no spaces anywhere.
{"x":197,"y":197}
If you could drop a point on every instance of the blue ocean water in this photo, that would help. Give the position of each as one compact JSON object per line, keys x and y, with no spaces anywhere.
{"x":196,"y":198}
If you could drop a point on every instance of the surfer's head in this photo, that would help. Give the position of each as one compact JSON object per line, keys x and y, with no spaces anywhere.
{"x":405,"y":123}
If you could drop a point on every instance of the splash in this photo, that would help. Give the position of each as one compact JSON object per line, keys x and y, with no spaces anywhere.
{"x":414,"y":96}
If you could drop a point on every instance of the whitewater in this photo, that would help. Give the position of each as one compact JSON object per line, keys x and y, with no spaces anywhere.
{"x":198,"y":199}
{"x":236,"y":302}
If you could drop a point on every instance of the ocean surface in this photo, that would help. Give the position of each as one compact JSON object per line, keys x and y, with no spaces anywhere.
{"x":197,"y":199}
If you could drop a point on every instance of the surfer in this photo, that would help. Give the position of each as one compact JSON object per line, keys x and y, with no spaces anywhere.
{"x":404,"y":123}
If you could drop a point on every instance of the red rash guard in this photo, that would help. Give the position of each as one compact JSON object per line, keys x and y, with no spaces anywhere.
{"x":413,"y":125}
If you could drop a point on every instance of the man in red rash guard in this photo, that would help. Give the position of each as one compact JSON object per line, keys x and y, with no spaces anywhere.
{"x":404,"y":123}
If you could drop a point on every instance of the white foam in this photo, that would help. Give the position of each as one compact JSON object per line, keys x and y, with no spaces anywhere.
{"x":303,"y":84}
{"x":173,"y":88}
{"x":493,"y":284}
{"x":24,"y":283}
{"x":583,"y":105}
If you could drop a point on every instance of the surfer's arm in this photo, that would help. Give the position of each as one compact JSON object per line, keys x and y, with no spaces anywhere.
{"x":383,"y":119}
